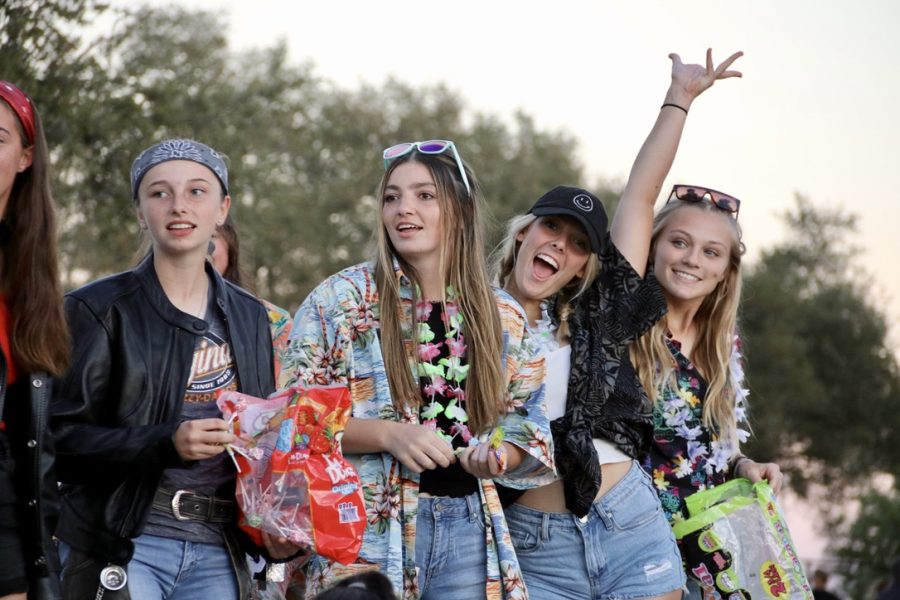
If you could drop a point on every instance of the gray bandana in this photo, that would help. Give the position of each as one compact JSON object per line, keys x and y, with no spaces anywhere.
{"x":177,"y":150}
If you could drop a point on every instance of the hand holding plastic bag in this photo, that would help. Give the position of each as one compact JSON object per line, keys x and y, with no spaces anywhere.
{"x":292,"y":479}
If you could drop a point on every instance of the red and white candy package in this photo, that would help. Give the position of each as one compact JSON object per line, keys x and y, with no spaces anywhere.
{"x":292,"y":479}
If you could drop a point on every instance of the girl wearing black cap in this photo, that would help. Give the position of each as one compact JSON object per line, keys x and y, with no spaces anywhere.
{"x":34,"y":340}
{"x":148,"y":507}
{"x":585,"y":294}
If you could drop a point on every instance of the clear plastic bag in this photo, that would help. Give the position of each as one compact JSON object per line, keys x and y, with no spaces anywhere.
{"x":737,"y":544}
{"x":292,"y":479}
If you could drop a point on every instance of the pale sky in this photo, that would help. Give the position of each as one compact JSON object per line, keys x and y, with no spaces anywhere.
{"x":817,"y":111}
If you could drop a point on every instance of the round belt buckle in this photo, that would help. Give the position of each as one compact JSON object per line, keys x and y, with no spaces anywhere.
{"x":113,"y":578}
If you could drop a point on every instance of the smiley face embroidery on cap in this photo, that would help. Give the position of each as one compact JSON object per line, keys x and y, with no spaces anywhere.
{"x":584,"y":202}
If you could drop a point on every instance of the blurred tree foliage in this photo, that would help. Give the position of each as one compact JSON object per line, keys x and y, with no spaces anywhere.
{"x":825,"y":385}
{"x":869,"y":544}
{"x":305,"y":156}
{"x":825,"y":388}
{"x":305,"y":161}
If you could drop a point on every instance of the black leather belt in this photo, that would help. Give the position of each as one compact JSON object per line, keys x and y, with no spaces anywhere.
{"x":185,"y":505}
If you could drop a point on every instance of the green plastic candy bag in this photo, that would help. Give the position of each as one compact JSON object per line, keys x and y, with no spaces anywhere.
{"x":737,"y":545}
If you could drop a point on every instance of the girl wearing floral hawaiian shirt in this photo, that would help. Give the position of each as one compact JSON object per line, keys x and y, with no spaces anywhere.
{"x":445,"y":381}
{"x":690,"y":361}
{"x":598,"y":531}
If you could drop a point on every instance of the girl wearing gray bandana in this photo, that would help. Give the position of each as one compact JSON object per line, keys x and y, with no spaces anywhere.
{"x":148,"y":510}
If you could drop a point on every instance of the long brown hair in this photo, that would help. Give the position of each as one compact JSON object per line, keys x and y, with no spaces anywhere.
{"x":227,"y":231}
{"x":716,"y":322}
{"x":30,"y":277}
{"x":464,"y":269}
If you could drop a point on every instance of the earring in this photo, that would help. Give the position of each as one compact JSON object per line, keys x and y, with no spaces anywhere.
{"x":211,"y":247}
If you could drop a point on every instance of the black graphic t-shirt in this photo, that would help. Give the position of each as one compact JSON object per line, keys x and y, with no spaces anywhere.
{"x":212,"y":370}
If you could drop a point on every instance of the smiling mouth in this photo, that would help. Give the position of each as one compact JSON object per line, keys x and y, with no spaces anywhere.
{"x":549,"y":260}
{"x":180,"y":226}
{"x":544,"y":266}
{"x":408,"y":227}
{"x":685,"y":276}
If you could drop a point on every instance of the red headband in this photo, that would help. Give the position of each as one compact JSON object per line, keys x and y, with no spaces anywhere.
{"x":21,"y":105}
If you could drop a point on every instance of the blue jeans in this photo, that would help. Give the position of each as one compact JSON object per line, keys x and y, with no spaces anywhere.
{"x":169,"y":569}
{"x":624,"y":548}
{"x":451,"y":551}
{"x":166,"y":569}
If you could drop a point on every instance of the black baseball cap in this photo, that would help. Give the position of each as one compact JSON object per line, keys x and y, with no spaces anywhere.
{"x":579,"y":204}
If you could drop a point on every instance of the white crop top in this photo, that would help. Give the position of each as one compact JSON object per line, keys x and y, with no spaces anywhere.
{"x":556,"y":384}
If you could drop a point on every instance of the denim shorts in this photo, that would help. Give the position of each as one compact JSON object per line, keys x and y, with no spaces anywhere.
{"x":623,"y":548}
{"x":451,"y":550}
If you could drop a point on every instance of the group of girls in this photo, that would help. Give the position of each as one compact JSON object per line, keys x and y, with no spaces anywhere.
{"x":487,"y":473}
{"x":504,"y":439}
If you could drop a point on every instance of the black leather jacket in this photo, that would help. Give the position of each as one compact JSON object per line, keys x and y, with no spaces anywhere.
{"x":31,"y":448}
{"x":114,"y":413}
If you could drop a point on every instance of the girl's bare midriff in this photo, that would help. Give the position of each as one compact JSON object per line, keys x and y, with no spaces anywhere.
{"x":552,"y":498}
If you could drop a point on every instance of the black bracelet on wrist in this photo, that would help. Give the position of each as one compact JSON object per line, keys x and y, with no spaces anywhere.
{"x":736,"y":464}
{"x":674,"y":106}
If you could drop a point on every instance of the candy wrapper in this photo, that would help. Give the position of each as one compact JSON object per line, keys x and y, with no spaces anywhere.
{"x":737,"y":545}
{"x":292,"y":479}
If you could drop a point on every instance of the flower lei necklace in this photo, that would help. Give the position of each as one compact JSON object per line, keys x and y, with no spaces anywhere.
{"x":679,"y":412}
{"x":441,"y":364}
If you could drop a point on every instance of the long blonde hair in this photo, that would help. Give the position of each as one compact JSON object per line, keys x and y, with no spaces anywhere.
{"x":462,"y":268}
{"x":503,"y":261}
{"x":716,"y":322}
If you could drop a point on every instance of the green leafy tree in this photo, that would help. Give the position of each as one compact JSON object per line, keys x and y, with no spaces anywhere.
{"x":42,"y":51}
{"x":40,"y":48}
{"x":825,"y":386}
{"x":305,"y":155}
{"x":825,"y":383}
{"x":869,"y":545}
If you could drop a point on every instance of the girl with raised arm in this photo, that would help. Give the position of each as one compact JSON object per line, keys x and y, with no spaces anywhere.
{"x":598,"y":531}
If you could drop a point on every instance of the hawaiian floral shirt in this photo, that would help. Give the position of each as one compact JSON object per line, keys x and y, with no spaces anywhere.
{"x":335,"y":339}
{"x":687,"y":457}
{"x":280,"y":324}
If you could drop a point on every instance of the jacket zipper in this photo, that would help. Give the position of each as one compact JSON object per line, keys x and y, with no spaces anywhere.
{"x":39,"y":394}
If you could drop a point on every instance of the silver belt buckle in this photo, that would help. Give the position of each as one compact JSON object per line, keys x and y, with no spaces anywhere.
{"x":176,"y":502}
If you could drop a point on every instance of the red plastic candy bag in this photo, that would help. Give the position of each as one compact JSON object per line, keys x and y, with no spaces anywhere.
{"x":292,"y":479}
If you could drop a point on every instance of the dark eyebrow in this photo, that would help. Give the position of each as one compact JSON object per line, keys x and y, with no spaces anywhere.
{"x":415,"y":185}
